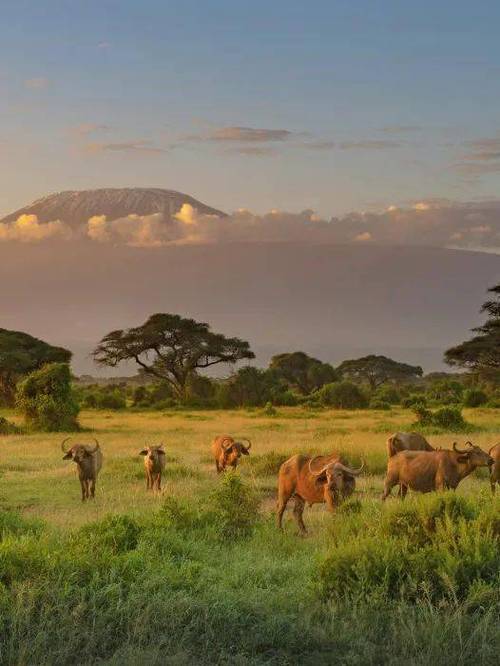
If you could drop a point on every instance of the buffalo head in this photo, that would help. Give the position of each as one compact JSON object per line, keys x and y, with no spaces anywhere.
{"x":337,"y":479}
{"x":78,"y":452}
{"x":234,"y":450}
{"x":473,"y":455}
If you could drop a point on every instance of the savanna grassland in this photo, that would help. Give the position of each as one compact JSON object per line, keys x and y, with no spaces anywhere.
{"x":200,"y":574}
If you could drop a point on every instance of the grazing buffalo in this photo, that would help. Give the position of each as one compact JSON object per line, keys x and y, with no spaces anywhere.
{"x":315,"y":481}
{"x":228,"y":451}
{"x":425,"y":471}
{"x":495,"y":467}
{"x":89,"y":462}
{"x":154,"y":465}
{"x":407,"y":441}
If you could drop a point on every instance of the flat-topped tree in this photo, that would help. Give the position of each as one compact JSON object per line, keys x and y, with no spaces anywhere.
{"x":21,"y":354}
{"x":377,"y":370}
{"x":481,"y":353}
{"x":302,"y":371}
{"x":171,"y":348}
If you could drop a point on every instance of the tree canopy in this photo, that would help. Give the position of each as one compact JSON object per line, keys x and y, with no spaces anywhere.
{"x":377,"y":370}
{"x":171,"y":348}
{"x":302,"y":371}
{"x":481,"y":353}
{"x":21,"y":354}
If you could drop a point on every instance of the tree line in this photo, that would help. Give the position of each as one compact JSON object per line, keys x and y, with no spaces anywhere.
{"x":174,"y":352}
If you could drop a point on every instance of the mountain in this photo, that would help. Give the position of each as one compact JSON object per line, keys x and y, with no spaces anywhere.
{"x":333,"y":301}
{"x":76,"y":207}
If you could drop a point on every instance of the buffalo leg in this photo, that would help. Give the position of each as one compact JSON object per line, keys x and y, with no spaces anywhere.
{"x":84,"y":494}
{"x":298,"y":510}
{"x":158,"y":483}
{"x":282,"y":502}
{"x":92,"y":488}
{"x":402,"y":491}
{"x":389,"y":484}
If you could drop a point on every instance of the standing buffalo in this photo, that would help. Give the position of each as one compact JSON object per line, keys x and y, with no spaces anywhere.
{"x":425,"y":471}
{"x":227,"y":451}
{"x":154,"y":465}
{"x":407,"y":441}
{"x":89,"y":463}
{"x":313,"y":480}
{"x":495,"y":467}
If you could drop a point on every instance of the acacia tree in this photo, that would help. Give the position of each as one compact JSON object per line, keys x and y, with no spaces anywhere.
{"x":171,"y":348}
{"x":481,"y":353}
{"x":302,"y":371}
{"x":21,"y":354}
{"x":377,"y":370}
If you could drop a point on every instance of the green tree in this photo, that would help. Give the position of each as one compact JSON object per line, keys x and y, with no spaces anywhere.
{"x":377,"y":370}
{"x":46,"y":399}
{"x":21,"y":354}
{"x":303,"y":372}
{"x":171,"y":348}
{"x":481,"y":353}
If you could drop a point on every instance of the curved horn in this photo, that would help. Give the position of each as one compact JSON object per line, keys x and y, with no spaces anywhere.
{"x":456,"y":449}
{"x":245,"y":439}
{"x":321,"y":470}
{"x":350,"y":470}
{"x":226,"y":443}
{"x":96,"y":445}
{"x":470,"y":444}
{"x":63,"y":443}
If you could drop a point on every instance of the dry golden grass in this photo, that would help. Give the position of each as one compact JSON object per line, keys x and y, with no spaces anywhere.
{"x":35,"y":479}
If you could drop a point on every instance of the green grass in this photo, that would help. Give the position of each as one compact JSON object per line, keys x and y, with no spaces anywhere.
{"x":180,"y":578}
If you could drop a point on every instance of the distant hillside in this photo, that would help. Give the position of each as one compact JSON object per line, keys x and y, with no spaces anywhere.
{"x":329,"y":300}
{"x":76,"y":207}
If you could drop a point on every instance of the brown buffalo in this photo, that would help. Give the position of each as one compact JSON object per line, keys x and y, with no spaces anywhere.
{"x":407,"y":441}
{"x":495,"y":467}
{"x":315,"y":481}
{"x":227,"y":451}
{"x":425,"y":471}
{"x":154,"y":465}
{"x":89,"y":462}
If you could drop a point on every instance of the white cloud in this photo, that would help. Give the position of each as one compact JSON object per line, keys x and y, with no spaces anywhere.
{"x":27,"y":229}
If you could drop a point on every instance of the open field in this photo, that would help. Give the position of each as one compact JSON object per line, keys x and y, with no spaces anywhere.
{"x":165,"y":585}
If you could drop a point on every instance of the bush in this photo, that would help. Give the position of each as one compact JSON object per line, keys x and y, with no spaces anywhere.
{"x":236,"y":509}
{"x":269,"y":410}
{"x":446,"y":418}
{"x":116,"y":534}
{"x":342,"y":395}
{"x":474,"y":398}
{"x":7,"y":428}
{"x":379,"y":404}
{"x":414,"y":400}
{"x":111,"y":400}
{"x":47,"y":401}
{"x":388,"y":394}
{"x":267,"y":464}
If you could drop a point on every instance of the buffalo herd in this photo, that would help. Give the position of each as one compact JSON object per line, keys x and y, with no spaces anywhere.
{"x":412,"y":464}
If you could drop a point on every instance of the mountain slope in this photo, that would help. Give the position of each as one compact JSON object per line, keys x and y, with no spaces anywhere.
{"x":76,"y":207}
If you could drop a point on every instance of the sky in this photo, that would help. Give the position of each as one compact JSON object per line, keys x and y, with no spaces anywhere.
{"x":334,"y":106}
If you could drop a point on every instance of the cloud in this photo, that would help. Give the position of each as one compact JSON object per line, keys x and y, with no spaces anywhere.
{"x":373,"y":144}
{"x":400,"y":129}
{"x":84,"y":129}
{"x":254,"y":151}
{"x":320,"y":145}
{"x":27,"y":229}
{"x":136,"y":146}
{"x":249,"y":135}
{"x":482,"y":157}
{"x":38,"y":83}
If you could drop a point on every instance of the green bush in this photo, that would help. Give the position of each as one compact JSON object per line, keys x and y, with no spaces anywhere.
{"x":388,"y":394}
{"x":46,"y":399}
{"x":111,"y":400}
{"x":379,"y":404}
{"x":474,"y":398}
{"x":269,"y":410}
{"x":236,"y":508}
{"x":7,"y":428}
{"x":116,"y":534}
{"x":342,"y":395}
{"x":414,"y":400}
{"x":267,"y":464}
{"x":445,"y":418}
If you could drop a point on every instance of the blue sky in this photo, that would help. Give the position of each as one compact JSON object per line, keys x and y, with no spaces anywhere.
{"x":329,"y":105}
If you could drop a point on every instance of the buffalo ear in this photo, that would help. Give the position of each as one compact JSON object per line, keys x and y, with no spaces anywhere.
{"x":321,"y":479}
{"x":228,"y":450}
{"x":245,"y":451}
{"x":68,"y":456}
{"x":144,"y":452}
{"x":161,"y":452}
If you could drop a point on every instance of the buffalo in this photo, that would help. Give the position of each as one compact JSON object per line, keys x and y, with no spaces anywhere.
{"x":425,"y":471}
{"x":407,"y":441}
{"x":227,"y":451}
{"x":154,"y":466}
{"x":313,"y":480}
{"x":495,"y":466}
{"x":89,"y":462}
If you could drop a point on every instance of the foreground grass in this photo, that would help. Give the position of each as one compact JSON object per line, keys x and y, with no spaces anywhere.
{"x":174,"y":579}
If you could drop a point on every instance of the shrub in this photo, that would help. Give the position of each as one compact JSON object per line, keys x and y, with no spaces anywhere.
{"x":342,"y":395}
{"x":236,"y":508}
{"x":414,"y":400}
{"x":117,"y":534}
{"x":445,"y":418}
{"x":111,"y":400}
{"x":379,"y":404}
{"x":388,"y":394}
{"x":267,"y":464}
{"x":47,"y":401}
{"x":269,"y":409}
{"x":7,"y":428}
{"x":474,"y":398}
